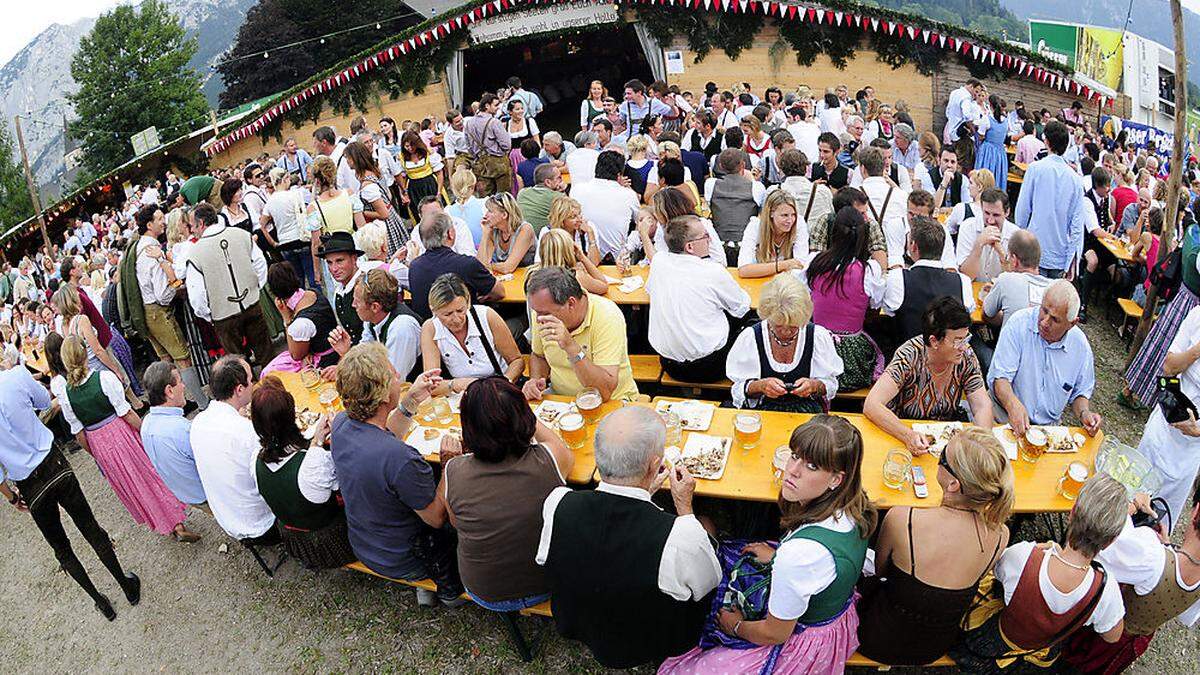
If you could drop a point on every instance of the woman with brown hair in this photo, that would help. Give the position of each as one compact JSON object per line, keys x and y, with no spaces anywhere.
{"x":810,"y":620}
{"x":421,"y":174}
{"x":296,"y":479}
{"x":908,"y":619}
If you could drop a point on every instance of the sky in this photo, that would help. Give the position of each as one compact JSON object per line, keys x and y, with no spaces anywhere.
{"x":23,"y":20}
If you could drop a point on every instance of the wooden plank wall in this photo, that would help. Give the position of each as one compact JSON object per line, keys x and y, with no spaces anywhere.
{"x":756,"y":66}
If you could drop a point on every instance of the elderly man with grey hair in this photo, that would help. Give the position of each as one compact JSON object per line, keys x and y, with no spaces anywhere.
{"x":555,"y":149}
{"x":1043,"y":362}
{"x":581,"y":164}
{"x":905,"y":151}
{"x":628,"y":579}
{"x":438,"y":236}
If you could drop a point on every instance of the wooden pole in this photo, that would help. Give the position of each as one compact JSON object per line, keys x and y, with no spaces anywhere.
{"x":212,"y":116}
{"x":33,"y":191}
{"x":1174,"y":182}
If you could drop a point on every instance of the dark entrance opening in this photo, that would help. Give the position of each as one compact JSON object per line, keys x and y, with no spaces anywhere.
{"x":559,"y":68}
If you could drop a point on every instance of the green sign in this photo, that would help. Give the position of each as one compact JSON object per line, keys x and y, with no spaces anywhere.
{"x":1054,"y":41}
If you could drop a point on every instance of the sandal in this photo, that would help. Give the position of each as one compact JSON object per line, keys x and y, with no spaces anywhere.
{"x":1130,"y":402}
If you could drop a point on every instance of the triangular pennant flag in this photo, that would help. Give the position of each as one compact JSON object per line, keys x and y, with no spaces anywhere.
{"x":875,"y":24}
{"x":808,"y":16}
{"x":837,"y":18}
{"x":820,"y":16}
{"x":941,"y":41}
{"x":792,"y":12}
{"x":975,"y":52}
{"x":925,"y":35}
{"x":743,"y":6}
{"x":912,"y":33}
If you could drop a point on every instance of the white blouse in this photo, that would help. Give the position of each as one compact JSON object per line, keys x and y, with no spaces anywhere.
{"x":1137,"y":558}
{"x":315,"y":478}
{"x":109,"y":384}
{"x":749,"y":249}
{"x":471,"y":361}
{"x":741,"y":365}
{"x":801,"y":569}
{"x":1108,"y":612}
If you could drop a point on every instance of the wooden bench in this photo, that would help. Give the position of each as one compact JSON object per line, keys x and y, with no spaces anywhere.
{"x":1131,"y":314}
{"x":543,"y":610}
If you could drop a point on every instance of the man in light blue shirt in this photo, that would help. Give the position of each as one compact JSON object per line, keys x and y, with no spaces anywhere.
{"x":45,"y":483}
{"x":1043,"y":362}
{"x":635,"y":108}
{"x":1051,"y":205}
{"x":166,"y":433}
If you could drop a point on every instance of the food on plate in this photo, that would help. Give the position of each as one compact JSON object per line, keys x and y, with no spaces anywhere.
{"x":431,"y":434}
{"x":306,"y":418}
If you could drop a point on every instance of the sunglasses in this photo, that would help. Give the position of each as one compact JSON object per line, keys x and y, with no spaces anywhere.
{"x":944,"y":462}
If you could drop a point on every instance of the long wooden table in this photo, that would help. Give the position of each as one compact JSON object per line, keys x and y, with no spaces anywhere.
{"x":38,"y":362}
{"x":1117,"y":247}
{"x":514,"y":288}
{"x":585,"y":460}
{"x":750,"y":475}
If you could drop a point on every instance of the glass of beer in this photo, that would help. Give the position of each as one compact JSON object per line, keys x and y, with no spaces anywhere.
{"x":441,"y":410}
{"x":747,"y":429}
{"x":783,"y":455}
{"x":896,"y":468}
{"x":589,"y":401}
{"x":1072,"y":481}
{"x":674,"y":429}
{"x":570,"y":428}
{"x":1033,"y":444}
{"x":329,"y":400}
{"x":426,"y":412}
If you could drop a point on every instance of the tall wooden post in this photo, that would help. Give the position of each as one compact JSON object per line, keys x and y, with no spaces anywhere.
{"x":1174,"y":182}
{"x":33,"y":191}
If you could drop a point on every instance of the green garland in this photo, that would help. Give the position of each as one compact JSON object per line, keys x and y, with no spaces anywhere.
{"x":896,"y":51}
{"x":810,"y":40}
{"x":732,"y":33}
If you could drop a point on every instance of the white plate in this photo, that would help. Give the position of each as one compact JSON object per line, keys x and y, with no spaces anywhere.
{"x":427,"y":447}
{"x":549,"y":411}
{"x":1002,"y":434}
{"x":693,"y":415}
{"x":938,"y":431}
{"x":631,"y":284}
{"x":697,"y":444}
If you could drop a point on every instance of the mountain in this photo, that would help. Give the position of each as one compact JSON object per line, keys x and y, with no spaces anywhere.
{"x":1155,"y":24}
{"x":36,"y":81}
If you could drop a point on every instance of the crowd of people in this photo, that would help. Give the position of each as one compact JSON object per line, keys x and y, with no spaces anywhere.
{"x":378,"y":263}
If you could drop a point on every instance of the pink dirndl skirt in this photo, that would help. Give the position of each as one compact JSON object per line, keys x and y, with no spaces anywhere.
{"x":118,"y":451}
{"x":816,"y":650}
{"x":286,"y":364}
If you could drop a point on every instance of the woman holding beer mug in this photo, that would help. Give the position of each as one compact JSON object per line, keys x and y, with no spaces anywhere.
{"x":929,"y":376}
{"x":928,"y":562}
{"x":493,"y":494}
{"x":785,"y":362}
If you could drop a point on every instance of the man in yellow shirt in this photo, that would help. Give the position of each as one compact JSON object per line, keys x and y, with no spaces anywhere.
{"x":578,"y":339}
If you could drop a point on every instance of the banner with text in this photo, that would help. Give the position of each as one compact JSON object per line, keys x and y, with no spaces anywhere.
{"x":1101,"y":56}
{"x":547,"y":18}
{"x":1055,"y":41}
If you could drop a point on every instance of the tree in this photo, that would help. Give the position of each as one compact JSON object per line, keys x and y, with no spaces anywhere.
{"x":272,"y":24}
{"x":15,"y":205}
{"x":132,"y":73}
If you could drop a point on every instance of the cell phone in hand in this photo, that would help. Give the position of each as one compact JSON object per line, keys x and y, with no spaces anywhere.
{"x":1160,"y":508}
{"x":919,"y":486}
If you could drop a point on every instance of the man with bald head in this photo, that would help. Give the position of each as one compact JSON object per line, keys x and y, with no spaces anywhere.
{"x":1043,"y":362}
{"x":610,"y":549}
{"x":1020,"y":288}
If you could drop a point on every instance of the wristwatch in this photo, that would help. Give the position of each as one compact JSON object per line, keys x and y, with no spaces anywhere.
{"x":580,"y":356}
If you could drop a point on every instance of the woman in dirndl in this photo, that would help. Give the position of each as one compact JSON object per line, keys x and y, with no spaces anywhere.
{"x":296,"y":479}
{"x":807,"y":623}
{"x":1141,"y":376}
{"x":421,"y":174}
{"x":785,"y":362}
{"x":309,"y":318}
{"x":93,"y":404}
{"x":845,"y":283}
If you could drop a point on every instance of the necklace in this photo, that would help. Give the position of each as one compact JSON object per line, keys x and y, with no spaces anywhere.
{"x":780,"y":341}
{"x":1189,"y":556}
{"x":1055,"y":552}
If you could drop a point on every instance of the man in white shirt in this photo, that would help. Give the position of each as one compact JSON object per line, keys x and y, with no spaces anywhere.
{"x":610,"y":206}
{"x":325,"y":142}
{"x":581,"y":164}
{"x":588,"y":578}
{"x":723,"y":116}
{"x":385,"y":319}
{"x":87,"y":231}
{"x":605,"y":138}
{"x":72,"y":244}
{"x":254,"y":197}
{"x":910,"y":290}
{"x":886,"y":204}
{"x":982,"y":249}
{"x":454,"y":139}
{"x":814,"y":202}
{"x":804,"y":129}
{"x":691,"y":302}
{"x":225,"y":446}
{"x":920,"y":203}
{"x":954,"y":109}
{"x":464,"y":243}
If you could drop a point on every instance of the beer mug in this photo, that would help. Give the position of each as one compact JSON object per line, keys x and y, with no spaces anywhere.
{"x":570,"y":429}
{"x":329,"y":400}
{"x":310,"y":378}
{"x":783,"y":455}
{"x":426,"y":412}
{"x":1072,"y":481}
{"x":674,"y":429}
{"x":442,"y":413}
{"x":588,"y":402}
{"x":1033,"y":444}
{"x":897,"y":467}
{"x":747,"y":429}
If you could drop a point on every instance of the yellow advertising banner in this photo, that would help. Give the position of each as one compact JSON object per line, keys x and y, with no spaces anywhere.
{"x":1100,"y":56}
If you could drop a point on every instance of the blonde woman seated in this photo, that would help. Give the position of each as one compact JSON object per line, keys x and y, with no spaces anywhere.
{"x":929,"y":561}
{"x":466,"y":341}
{"x":467,"y":207}
{"x":567,"y":214}
{"x":776,"y":240}
{"x":784,"y":362}
{"x":638,"y":166}
{"x":978,"y":181}
{"x":508,"y":241}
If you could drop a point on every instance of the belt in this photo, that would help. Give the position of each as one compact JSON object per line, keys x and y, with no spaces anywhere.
{"x":54,"y":468}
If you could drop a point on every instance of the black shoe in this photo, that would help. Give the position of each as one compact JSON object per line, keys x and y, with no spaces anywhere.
{"x":132,"y":588}
{"x":105,"y":607}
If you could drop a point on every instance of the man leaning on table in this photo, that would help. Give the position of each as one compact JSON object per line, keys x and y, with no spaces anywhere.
{"x":1043,"y":362}
{"x":578,"y":339}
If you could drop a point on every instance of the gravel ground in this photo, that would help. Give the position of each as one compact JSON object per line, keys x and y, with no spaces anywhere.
{"x":207,"y":611}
